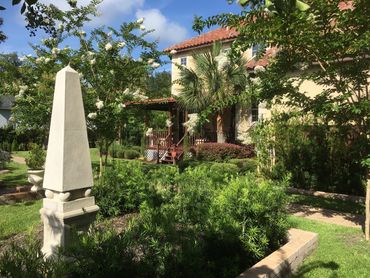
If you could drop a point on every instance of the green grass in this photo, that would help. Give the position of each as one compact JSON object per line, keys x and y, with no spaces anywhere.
{"x":20,"y":153}
{"x":16,"y":176}
{"x":18,"y":218}
{"x":342,"y":252}
{"x":325,"y":203}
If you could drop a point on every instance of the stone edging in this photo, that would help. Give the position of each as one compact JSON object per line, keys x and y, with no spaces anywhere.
{"x":12,"y":198}
{"x":337,"y":196}
{"x":287,"y":258}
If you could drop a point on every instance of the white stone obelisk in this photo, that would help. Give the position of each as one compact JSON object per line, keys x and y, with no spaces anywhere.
{"x":68,"y":175}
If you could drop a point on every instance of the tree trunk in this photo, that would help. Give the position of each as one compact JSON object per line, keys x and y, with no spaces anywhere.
{"x":221,"y":138}
{"x":367,"y":208}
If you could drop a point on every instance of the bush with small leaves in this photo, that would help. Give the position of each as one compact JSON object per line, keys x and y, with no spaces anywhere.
{"x":36,"y":157}
{"x":131,"y":154}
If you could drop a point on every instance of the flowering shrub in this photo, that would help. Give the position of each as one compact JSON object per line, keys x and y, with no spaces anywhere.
{"x":223,"y":151}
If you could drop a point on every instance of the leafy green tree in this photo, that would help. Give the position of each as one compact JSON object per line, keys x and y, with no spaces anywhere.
{"x":2,"y":35}
{"x":110,"y":75}
{"x":326,"y":42}
{"x":216,"y":77}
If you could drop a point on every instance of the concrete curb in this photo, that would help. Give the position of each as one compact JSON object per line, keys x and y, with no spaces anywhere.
{"x":287,"y":258}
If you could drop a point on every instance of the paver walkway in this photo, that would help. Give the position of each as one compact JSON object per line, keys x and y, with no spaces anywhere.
{"x":18,"y":159}
{"x":328,"y":216}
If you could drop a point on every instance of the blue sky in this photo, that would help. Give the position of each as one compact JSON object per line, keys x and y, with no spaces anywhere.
{"x":172,"y":19}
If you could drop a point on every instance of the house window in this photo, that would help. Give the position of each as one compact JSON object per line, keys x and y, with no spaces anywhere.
{"x":254,"y":111}
{"x":183,"y":61}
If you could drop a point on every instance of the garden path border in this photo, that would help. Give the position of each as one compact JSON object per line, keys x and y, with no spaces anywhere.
{"x":287,"y":258}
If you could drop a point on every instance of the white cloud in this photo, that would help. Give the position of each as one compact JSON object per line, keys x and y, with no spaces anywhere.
{"x":166,"y":30}
{"x":110,"y":10}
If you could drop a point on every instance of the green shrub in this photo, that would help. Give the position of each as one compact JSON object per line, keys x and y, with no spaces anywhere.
{"x":245,"y":165}
{"x":131,"y":154}
{"x":318,"y":156}
{"x":4,"y":158}
{"x":36,"y":157}
{"x":223,"y":151}
{"x":122,"y":188}
{"x":220,"y":171}
{"x":136,"y":148}
{"x":201,"y":228}
{"x":116,"y":150}
{"x":255,"y":210}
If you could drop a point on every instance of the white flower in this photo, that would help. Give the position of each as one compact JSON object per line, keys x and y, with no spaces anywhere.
{"x":191,"y":123}
{"x":40,"y":60}
{"x":81,"y":75}
{"x":149,"y":132}
{"x":140,"y":59}
{"x":47,"y":60}
{"x":55,"y":51}
{"x":46,"y":21}
{"x":122,"y":105}
{"x":23,"y":58}
{"x":108,"y":46}
{"x":150,"y":61}
{"x":22,"y":89}
{"x":173,"y":51}
{"x":99,"y":104}
{"x":93,"y":62}
{"x":302,"y":66}
{"x":256,"y":80}
{"x":92,"y":115}
{"x":169,"y":123}
{"x":82,"y":33}
{"x":111,"y":72}
{"x":121,"y":44}
{"x":90,"y":53}
{"x":126,"y":92}
{"x":155,"y":65}
{"x":66,"y":48}
{"x":259,"y":69}
{"x":110,"y":34}
{"x":140,"y":20}
{"x":60,"y":26}
{"x":142,"y":27}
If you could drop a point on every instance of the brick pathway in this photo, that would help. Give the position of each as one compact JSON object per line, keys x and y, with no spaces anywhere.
{"x":328,"y":216}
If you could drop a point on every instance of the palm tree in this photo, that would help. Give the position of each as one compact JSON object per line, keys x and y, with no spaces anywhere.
{"x":215,"y":81}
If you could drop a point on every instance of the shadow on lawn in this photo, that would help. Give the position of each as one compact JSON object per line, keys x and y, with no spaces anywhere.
{"x":307,"y":268}
{"x":305,"y":210}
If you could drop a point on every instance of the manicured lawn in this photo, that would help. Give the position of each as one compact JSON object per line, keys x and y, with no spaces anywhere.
{"x":18,"y":218}
{"x":325,"y":203}
{"x":342,"y":251}
{"x":16,"y":176}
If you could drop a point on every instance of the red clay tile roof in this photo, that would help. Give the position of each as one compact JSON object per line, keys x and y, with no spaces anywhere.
{"x":220,"y":34}
{"x":264,"y":60}
{"x":345,"y":5}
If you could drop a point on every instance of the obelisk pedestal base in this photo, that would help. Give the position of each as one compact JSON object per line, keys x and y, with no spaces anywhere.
{"x":63,"y":219}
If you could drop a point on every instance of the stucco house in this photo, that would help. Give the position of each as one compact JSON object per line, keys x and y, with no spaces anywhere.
{"x":237,"y":120}
{"x":6,"y":103}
